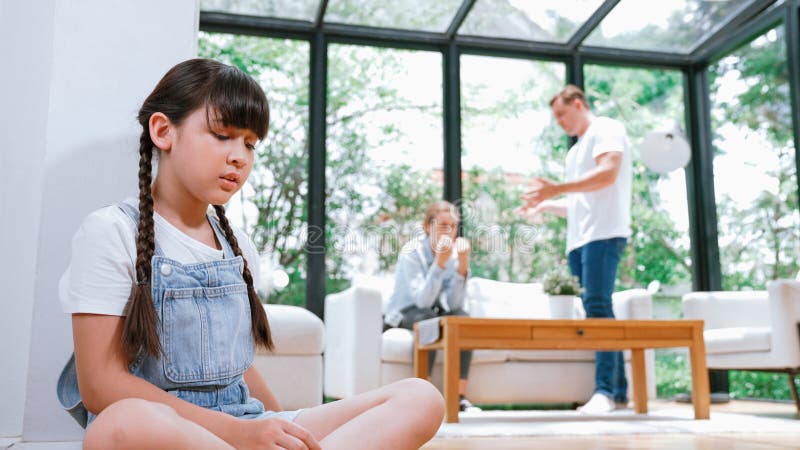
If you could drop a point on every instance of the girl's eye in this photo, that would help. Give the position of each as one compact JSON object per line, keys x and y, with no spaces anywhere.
{"x":250,"y":146}
{"x":221,"y":137}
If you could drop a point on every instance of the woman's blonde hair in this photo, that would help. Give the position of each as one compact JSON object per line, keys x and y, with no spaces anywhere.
{"x":439,"y":207}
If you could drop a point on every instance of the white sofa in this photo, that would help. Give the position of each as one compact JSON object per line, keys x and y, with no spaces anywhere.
{"x":360,"y":357}
{"x":293,"y":370}
{"x":751,"y":330}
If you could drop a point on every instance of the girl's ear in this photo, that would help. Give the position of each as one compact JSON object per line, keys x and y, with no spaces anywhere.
{"x":162,"y":131}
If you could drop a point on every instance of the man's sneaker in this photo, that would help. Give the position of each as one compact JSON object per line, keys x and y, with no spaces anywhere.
{"x":465,"y":405}
{"x":598,"y":404}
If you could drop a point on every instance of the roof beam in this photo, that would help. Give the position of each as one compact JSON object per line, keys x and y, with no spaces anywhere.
{"x":323,"y":7}
{"x":591,"y":23}
{"x":465,"y":8}
{"x":255,"y":25}
{"x":710,"y":44}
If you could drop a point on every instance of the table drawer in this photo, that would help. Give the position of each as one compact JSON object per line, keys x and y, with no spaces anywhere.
{"x":578,"y":332}
{"x":494,"y":332}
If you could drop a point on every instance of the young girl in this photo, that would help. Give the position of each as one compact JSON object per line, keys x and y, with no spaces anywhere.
{"x":164,"y":314}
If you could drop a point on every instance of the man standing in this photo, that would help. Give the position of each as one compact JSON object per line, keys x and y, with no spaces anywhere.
{"x":597,"y":207}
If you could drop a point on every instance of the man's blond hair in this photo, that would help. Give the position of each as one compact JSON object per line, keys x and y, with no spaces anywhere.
{"x":569,"y":94}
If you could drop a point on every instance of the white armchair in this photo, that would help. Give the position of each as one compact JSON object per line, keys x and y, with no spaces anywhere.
{"x":751,"y":330}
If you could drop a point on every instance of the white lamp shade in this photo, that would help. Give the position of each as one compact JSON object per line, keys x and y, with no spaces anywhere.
{"x":663,"y":151}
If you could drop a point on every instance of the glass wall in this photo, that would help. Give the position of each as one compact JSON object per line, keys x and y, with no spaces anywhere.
{"x":508,"y":138}
{"x":271,"y":206}
{"x":755,"y":180}
{"x":758,"y":220}
{"x":385,"y":155}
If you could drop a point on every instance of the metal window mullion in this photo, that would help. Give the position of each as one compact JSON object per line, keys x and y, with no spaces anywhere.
{"x":315,"y":246}
{"x":452,"y":123}
{"x":793,"y":60}
{"x":706,"y":274}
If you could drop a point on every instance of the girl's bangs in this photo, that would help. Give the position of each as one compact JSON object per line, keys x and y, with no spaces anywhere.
{"x":236,"y":100}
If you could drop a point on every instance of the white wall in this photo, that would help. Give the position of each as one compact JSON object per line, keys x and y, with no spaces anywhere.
{"x":23,"y":117}
{"x":84,"y":68}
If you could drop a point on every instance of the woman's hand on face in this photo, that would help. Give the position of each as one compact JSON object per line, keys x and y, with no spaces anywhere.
{"x":442,"y":250}
{"x":273,"y":434}
{"x":463,"y":248}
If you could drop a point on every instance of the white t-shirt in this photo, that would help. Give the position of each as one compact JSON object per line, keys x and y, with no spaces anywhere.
{"x":101,"y":272}
{"x":604,"y":213}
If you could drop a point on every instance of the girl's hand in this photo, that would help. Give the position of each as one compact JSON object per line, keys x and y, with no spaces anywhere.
{"x":271,"y":434}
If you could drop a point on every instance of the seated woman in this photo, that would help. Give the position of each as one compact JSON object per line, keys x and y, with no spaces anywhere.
{"x":431,"y":281}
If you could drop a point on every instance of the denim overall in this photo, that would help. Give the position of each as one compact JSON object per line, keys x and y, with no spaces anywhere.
{"x":205,"y":333}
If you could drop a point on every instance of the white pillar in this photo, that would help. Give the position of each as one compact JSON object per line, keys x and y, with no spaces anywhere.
{"x":80,"y":71}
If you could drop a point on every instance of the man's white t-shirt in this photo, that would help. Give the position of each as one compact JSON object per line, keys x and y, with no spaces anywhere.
{"x":604,"y":213}
{"x":101,"y":272}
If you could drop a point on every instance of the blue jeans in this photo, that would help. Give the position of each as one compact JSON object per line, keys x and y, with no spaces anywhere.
{"x":595,"y":265}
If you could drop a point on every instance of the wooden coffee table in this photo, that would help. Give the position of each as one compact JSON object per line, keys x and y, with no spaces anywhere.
{"x":468,"y":333}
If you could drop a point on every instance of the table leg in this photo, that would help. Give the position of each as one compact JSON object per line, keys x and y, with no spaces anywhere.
{"x":639,"y":372}
{"x":421,"y":369}
{"x":451,"y":373}
{"x":701,"y":396}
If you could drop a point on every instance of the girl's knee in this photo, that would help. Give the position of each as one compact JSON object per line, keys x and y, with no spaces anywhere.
{"x":423,"y":395}
{"x":124,"y":422}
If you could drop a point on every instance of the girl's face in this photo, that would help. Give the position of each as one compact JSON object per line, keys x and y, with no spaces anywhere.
{"x":207,"y":162}
{"x":443,"y":224}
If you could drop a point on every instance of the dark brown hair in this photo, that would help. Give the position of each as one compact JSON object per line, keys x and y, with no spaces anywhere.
{"x":234,"y":99}
{"x":569,"y":94}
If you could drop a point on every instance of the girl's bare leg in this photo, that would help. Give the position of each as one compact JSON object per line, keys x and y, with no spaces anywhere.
{"x":402,"y":415}
{"x":138,"y":424}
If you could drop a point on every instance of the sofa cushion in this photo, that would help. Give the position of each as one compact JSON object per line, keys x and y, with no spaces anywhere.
{"x":500,"y":299}
{"x":397,"y":346}
{"x":737,"y":340}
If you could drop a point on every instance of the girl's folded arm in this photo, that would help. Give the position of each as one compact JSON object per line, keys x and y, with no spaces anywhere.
{"x":104,"y":379}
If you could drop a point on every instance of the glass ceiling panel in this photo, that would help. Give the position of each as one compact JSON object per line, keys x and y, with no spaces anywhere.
{"x":665,"y":25}
{"x":285,"y":9}
{"x":420,"y":15}
{"x":543,"y":20}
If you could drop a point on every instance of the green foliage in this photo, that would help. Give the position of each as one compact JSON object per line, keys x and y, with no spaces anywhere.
{"x":673,"y":375}
{"x":759,"y":240}
{"x":561,"y":282}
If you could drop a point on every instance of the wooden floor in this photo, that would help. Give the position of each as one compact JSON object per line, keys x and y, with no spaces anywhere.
{"x":722,"y":441}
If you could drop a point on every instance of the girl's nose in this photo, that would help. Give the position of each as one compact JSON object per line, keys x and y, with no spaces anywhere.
{"x":238,"y":154}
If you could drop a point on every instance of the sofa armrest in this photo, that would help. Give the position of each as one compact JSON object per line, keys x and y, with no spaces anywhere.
{"x":353,"y":347}
{"x":633,"y":304}
{"x":298,"y":336}
{"x":295,"y":330}
{"x":784,"y":308}
{"x":725,"y":309}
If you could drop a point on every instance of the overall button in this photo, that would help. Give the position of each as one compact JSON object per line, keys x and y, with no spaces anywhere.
{"x":166,"y":269}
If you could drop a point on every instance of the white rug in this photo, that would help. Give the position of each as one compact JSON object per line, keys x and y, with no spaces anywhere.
{"x":565,"y":423}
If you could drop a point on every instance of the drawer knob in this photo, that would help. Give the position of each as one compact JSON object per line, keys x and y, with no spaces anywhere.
{"x":580,"y":331}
